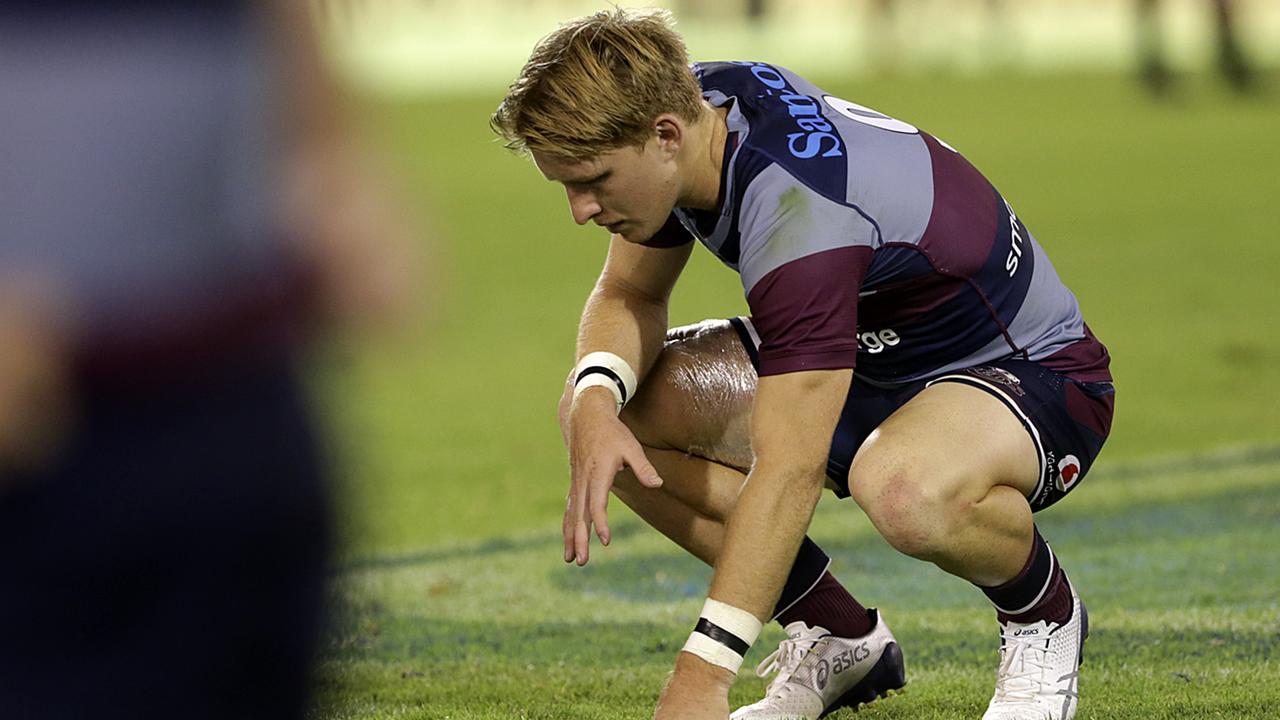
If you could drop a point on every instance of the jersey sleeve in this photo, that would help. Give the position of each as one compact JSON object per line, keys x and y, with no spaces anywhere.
{"x":802,"y":264}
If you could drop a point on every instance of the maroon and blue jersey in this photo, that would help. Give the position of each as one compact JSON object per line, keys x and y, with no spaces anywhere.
{"x":864,"y":242}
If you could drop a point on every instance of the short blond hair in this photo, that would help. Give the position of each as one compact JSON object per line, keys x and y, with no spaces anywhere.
{"x":597,"y":83}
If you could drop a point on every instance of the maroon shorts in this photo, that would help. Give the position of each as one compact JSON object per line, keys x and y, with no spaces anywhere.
{"x":1068,"y":419}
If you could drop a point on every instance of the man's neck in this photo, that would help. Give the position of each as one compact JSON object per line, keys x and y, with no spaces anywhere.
{"x":705,"y":162}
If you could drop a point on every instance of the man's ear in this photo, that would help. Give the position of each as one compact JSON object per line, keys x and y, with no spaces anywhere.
{"x":669,"y":131}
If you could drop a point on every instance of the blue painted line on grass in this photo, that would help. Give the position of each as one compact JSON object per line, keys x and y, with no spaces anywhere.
{"x":1225,"y":459}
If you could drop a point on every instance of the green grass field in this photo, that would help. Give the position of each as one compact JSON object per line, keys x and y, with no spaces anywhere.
{"x":452,"y":601}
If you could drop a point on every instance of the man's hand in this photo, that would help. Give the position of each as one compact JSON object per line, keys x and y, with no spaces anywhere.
{"x":626,"y":314}
{"x":697,"y":690}
{"x":600,"y":446}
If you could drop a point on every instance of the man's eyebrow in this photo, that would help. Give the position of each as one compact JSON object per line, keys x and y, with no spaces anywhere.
{"x":591,"y":180}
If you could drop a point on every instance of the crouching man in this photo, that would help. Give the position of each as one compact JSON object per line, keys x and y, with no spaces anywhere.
{"x":864,"y":244}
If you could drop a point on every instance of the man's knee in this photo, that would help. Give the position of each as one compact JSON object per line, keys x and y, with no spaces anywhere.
{"x":696,"y":394}
{"x":653,"y":412}
{"x":916,"y":506}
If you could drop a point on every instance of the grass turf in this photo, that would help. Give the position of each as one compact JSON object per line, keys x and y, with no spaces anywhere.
{"x":1183,"y":607}
{"x":1161,"y":218}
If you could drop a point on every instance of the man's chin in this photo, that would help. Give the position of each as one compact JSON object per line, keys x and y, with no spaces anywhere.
{"x":635,"y":234}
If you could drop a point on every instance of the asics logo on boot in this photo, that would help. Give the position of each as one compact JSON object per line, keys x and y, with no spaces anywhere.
{"x":1026,"y":632}
{"x":847,"y":659}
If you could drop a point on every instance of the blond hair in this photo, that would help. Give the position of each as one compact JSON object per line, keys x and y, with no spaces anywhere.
{"x":597,"y":83}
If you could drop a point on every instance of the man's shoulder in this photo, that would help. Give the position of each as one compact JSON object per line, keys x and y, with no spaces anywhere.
{"x":784,"y":119}
{"x":777,"y":119}
{"x":730,"y":77}
{"x":746,"y":78}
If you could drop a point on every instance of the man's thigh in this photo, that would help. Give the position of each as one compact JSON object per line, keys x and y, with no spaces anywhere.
{"x":697,"y":398}
{"x":951,"y":443}
{"x":1011,"y":422}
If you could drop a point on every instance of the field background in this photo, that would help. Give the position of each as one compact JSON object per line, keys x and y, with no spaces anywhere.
{"x":451,"y":600}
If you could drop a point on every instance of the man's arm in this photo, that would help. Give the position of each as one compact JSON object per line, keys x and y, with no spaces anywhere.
{"x":794,"y":417}
{"x":793,"y":420}
{"x":626,"y":314}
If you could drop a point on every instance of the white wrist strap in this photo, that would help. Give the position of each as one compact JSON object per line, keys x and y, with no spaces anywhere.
{"x":723,"y":635}
{"x":606,"y":370}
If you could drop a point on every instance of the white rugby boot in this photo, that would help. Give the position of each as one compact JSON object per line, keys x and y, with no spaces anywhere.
{"x":819,"y":673}
{"x":1039,"y":673}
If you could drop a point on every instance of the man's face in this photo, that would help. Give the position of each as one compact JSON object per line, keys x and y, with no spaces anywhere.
{"x":630,"y":191}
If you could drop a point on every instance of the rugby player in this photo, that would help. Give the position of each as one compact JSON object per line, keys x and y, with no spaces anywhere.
{"x":909,"y":345}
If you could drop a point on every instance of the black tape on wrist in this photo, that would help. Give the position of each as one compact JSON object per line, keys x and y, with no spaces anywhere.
{"x":602,"y":370}
{"x":722,"y":636}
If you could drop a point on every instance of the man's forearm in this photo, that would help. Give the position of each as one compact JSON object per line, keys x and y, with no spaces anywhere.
{"x":626,"y":313}
{"x":763,"y":535}
{"x":624,"y":323}
{"x":792,"y":423}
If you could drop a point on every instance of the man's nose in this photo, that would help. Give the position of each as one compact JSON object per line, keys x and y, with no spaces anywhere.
{"x":583,"y":205}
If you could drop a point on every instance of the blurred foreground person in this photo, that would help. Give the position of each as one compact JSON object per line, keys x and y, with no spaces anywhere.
{"x":863,"y":242}
{"x":1232,"y":61}
{"x":181,"y":209}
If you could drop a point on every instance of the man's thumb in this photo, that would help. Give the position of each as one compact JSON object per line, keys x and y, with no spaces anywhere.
{"x":644,"y":472}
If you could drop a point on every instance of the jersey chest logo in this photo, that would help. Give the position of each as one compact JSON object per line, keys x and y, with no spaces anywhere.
{"x":816,"y":136}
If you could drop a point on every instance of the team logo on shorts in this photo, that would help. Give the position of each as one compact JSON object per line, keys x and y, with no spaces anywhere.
{"x":1068,"y":472}
{"x":999,"y":376}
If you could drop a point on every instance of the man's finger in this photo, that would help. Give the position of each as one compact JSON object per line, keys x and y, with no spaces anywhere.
{"x":600,"y":514}
{"x":581,"y":541}
{"x":581,"y":522}
{"x":644,"y":471}
{"x":575,"y":516}
{"x":566,"y":528}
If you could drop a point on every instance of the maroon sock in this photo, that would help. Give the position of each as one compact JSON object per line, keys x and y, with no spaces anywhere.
{"x":830,"y":606}
{"x":1040,"y":591}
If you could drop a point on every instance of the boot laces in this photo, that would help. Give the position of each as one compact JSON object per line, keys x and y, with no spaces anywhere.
{"x":1021,"y":676}
{"x":784,"y":661}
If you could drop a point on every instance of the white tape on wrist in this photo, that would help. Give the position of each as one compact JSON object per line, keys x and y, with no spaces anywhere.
{"x":713,"y":652}
{"x":723,"y":635}
{"x":604,"y":369}
{"x":600,"y":380}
